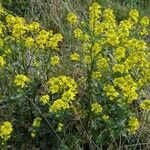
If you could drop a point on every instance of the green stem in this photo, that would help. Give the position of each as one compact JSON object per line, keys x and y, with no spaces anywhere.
{"x":89,"y":95}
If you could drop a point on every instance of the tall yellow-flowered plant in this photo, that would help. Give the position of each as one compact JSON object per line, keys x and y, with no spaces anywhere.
{"x":27,"y":54}
{"x":117,"y":62}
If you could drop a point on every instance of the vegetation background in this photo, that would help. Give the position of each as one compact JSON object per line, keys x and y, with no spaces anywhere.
{"x":52,"y":13}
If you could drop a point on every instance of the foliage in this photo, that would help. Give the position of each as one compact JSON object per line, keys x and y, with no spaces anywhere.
{"x":18,"y":7}
{"x":81,"y":90}
{"x":51,"y":13}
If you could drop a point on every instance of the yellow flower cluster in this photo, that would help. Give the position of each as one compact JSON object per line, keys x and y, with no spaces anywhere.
{"x":118,"y":68}
{"x":96,"y":48}
{"x":78,"y":33}
{"x":144,"y":21}
{"x":55,"y":60}
{"x":29,"y":42}
{"x":96,"y":75}
{"x":36,"y":124}
{"x":119,"y":53}
{"x":87,"y":59}
{"x":94,"y":13}
{"x":60,"y":127}
{"x":20,"y":30}
{"x":110,"y":91}
{"x":133,"y":124}
{"x":75,"y":57}
{"x":105,"y":117}
{"x":72,"y":18}
{"x":108,"y":15}
{"x":34,"y":26}
{"x":21,"y":80}
{"x":102,"y":63}
{"x":2,"y":61}
{"x":134,"y":14}
{"x":17,"y":25}
{"x":145,"y":105}
{"x":112,"y":37}
{"x":44,"y":99}
{"x":53,"y":41}
{"x":42,"y":38}
{"x":62,"y":84}
{"x":128,"y":87}
{"x":144,"y":25}
{"x":6,"y":130}
{"x":96,"y":108}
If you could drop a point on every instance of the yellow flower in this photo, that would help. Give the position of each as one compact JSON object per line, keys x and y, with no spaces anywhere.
{"x":21,"y":80}
{"x":60,"y":127}
{"x":69,"y":88}
{"x":37,"y":122}
{"x":94,"y":13}
{"x":72,"y":18}
{"x":5,"y":130}
{"x":144,"y":31}
{"x":77,"y":33}
{"x":145,"y":105}
{"x":29,"y":42}
{"x":110,"y":91}
{"x":19,"y":30}
{"x":87,"y":59}
{"x":119,"y":53}
{"x":33,"y":134}
{"x":96,"y":108}
{"x":10,"y":20}
{"x":105,"y":117}
{"x":96,"y":75}
{"x":75,"y":57}
{"x":144,"y":21}
{"x":134,"y":14}
{"x":54,"y":41}
{"x":133,"y":124}
{"x":55,"y":60}
{"x":108,"y":15}
{"x":141,"y":45}
{"x":96,"y":48}
{"x":2,"y":11}
{"x":42,"y":38}
{"x":44,"y":99}
{"x":118,"y":68}
{"x":128,"y":87}
{"x":2,"y":29}
{"x":55,"y":84}
{"x":58,"y":105}
{"x":2,"y":61}
{"x":125,"y":24}
{"x":34,"y":26}
{"x":85,"y":37}
{"x":102,"y":63}
{"x":113,"y":39}
{"x":68,"y":95}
